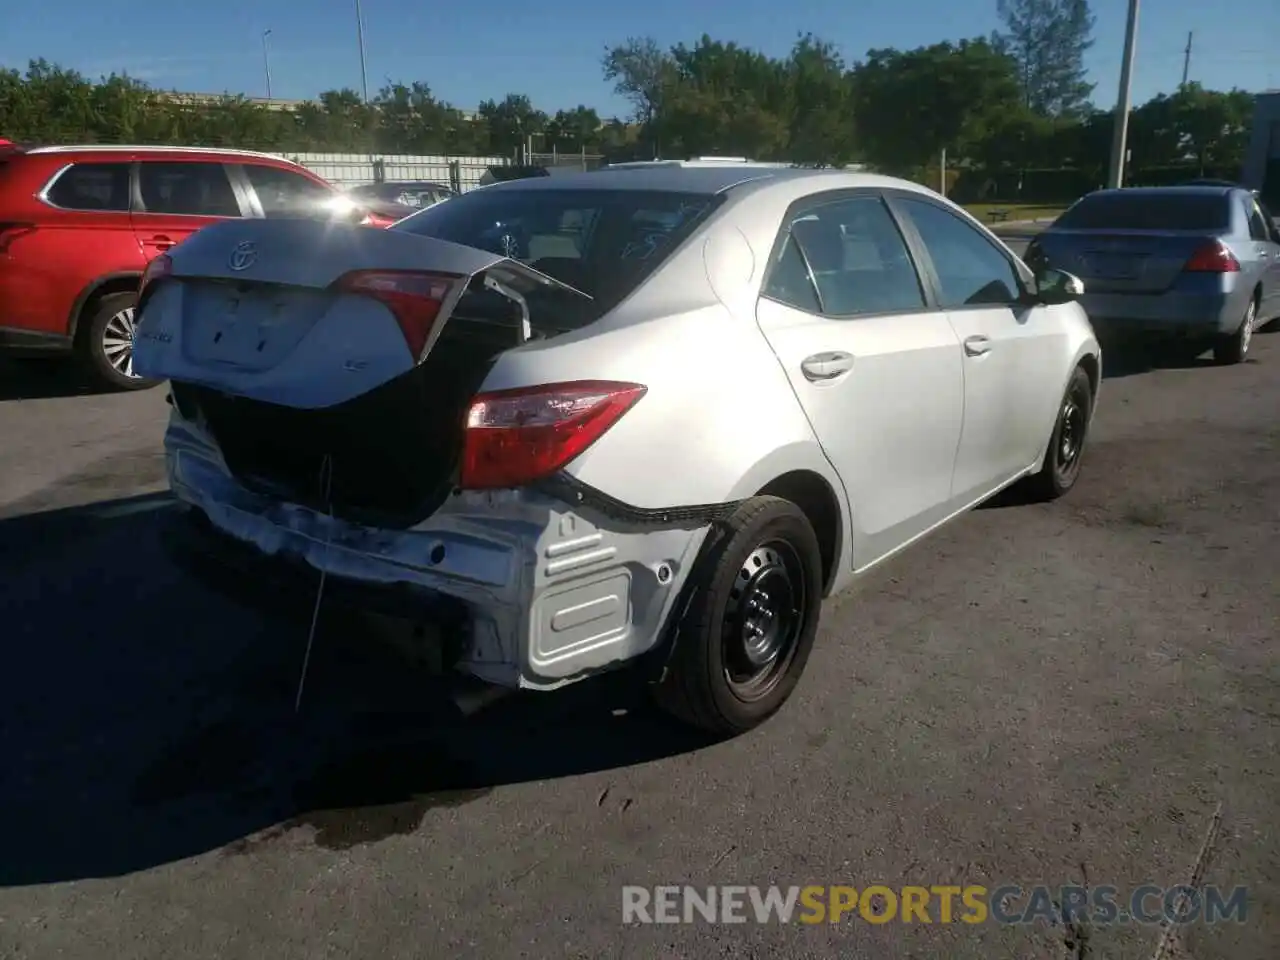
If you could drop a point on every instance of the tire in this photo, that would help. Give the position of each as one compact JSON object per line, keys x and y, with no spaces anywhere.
{"x":1234,"y":348}
{"x":705,"y":683}
{"x":1065,"y":452}
{"x":110,"y":319}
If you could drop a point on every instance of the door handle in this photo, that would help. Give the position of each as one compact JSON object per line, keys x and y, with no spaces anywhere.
{"x":826,"y":366}
{"x":977,"y":345}
{"x":162,"y":242}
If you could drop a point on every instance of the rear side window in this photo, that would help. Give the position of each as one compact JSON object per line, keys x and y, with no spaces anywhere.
{"x":1257,"y":223}
{"x":189,"y":189}
{"x":851,"y":255}
{"x":92,"y":186}
{"x":285,"y":194}
{"x":1150,"y":211}
{"x":602,"y":242}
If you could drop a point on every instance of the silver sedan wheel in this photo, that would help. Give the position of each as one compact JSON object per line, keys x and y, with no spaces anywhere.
{"x":117,"y":342}
{"x":1246,"y":330}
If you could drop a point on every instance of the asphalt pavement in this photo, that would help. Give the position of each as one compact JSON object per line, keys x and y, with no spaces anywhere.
{"x":1040,"y":694}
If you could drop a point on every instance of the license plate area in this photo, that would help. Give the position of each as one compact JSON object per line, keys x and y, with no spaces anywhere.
{"x":1114,"y":266}
{"x":250,"y":326}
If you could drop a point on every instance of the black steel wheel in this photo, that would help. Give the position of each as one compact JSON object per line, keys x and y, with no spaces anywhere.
{"x":749,"y":618}
{"x":1063,"y":457}
{"x":763,"y":620}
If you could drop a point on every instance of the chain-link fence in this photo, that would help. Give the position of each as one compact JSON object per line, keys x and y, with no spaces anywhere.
{"x":354,"y":169}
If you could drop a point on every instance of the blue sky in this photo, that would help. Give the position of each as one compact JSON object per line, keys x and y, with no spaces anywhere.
{"x":471,"y":51}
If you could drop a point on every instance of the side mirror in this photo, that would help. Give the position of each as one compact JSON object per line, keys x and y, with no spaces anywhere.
{"x":1057,"y":286}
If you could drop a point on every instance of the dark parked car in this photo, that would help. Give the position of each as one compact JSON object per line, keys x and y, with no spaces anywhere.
{"x":407,"y":196}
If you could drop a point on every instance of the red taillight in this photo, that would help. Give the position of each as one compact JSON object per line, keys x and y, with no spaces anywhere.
{"x":514,"y":437}
{"x":157,"y":269}
{"x":1213,"y":257}
{"x":414,"y":299}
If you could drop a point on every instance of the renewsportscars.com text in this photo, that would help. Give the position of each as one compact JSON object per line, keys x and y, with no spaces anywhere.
{"x":879,"y":904}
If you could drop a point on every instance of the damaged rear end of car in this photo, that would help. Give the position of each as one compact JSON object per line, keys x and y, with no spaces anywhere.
{"x":330,"y":412}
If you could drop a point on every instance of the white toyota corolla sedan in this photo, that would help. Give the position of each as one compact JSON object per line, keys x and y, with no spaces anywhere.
{"x":649,"y":416}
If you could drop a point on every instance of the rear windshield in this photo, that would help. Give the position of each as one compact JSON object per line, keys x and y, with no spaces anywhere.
{"x":1151,"y":211}
{"x":602,"y":242}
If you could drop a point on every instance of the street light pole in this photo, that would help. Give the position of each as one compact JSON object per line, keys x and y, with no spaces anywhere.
{"x":1120,"y":127}
{"x":266,"y":60}
{"x":364,"y":72}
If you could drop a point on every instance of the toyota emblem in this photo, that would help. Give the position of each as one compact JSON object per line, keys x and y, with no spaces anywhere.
{"x":243,"y":256}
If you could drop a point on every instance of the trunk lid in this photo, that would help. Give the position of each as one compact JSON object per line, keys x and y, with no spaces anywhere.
{"x":1123,"y":261}
{"x":259,"y":309}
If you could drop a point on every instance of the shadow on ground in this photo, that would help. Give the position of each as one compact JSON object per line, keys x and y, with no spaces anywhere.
{"x":40,"y":379}
{"x":1127,"y":359}
{"x":144,"y":719}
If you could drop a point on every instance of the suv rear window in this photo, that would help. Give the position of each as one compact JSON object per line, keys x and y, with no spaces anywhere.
{"x":1149,"y":211}
{"x":92,"y":186}
{"x":602,"y":242}
{"x":285,"y":194}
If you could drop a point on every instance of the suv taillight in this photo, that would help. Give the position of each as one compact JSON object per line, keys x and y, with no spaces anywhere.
{"x":413,"y":298}
{"x":514,"y":437}
{"x":1213,"y":257}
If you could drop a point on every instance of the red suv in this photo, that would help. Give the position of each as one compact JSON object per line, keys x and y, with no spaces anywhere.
{"x":78,"y":226}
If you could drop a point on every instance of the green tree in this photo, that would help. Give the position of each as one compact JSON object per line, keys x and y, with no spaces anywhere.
{"x":724,"y":99}
{"x":641,"y":71}
{"x":913,"y":104}
{"x":821,"y":127}
{"x":511,"y":121}
{"x":1048,"y":39}
{"x":1213,"y":126}
{"x":574,"y":130}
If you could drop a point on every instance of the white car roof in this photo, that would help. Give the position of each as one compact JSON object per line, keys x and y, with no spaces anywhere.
{"x":703,"y":177}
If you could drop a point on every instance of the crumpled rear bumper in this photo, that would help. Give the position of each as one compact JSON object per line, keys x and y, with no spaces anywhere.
{"x":526,"y":591}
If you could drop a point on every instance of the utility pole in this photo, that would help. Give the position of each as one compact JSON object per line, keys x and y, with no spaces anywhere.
{"x":266,"y":60}
{"x":1186,"y":59}
{"x":364,"y":72}
{"x":1120,"y":129}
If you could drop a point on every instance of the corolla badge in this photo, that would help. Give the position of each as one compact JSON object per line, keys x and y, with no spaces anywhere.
{"x":243,"y":256}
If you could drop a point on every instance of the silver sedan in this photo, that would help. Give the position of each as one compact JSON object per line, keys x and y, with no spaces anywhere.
{"x":645,"y":417}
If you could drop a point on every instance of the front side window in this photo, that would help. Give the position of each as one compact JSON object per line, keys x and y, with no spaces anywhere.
{"x":285,"y":194}
{"x":92,"y":186}
{"x":971,"y":270}
{"x":845,"y":258}
{"x":189,"y":189}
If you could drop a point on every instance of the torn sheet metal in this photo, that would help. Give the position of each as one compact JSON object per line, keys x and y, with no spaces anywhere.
{"x":554,"y":595}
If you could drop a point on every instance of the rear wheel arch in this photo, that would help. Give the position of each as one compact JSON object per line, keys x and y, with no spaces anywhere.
{"x":1094,"y":369}
{"x":123,"y":282}
{"x":816,"y":499}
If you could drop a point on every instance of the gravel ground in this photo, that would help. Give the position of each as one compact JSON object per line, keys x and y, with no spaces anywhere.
{"x":1039,"y":694}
